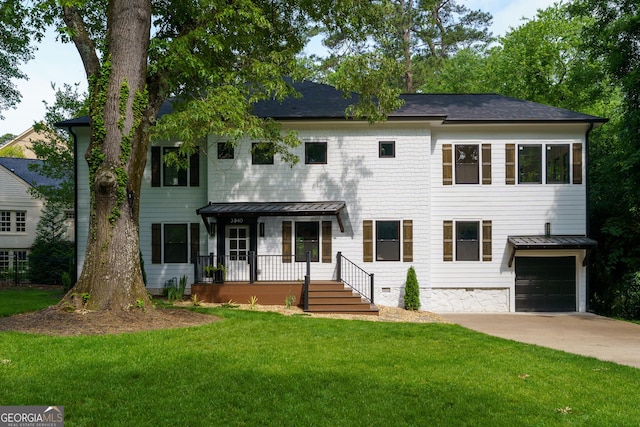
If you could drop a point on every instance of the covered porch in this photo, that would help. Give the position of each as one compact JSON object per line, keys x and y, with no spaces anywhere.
{"x":275,"y":279}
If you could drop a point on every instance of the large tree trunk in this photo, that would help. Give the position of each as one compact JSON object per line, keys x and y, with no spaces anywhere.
{"x":111,"y":276}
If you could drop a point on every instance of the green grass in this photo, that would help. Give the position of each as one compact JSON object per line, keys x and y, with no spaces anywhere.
{"x":21,"y":300}
{"x":253,"y":368}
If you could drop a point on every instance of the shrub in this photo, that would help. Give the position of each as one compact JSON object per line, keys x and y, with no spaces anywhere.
{"x":48,"y":261}
{"x":411,"y":291}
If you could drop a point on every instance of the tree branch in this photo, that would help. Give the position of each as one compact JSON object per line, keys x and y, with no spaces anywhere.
{"x":84,"y":44}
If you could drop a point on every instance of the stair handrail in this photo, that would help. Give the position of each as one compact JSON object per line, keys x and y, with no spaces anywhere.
{"x":355,"y":277}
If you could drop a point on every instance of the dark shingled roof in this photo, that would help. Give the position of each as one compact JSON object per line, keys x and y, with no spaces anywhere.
{"x":20,"y":167}
{"x":319,"y":101}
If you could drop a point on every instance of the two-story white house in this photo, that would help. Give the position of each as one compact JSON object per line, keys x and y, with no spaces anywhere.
{"x":19,"y":210}
{"x":484,"y":195}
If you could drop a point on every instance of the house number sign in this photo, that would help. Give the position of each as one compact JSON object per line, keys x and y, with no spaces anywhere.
{"x":237,"y":220}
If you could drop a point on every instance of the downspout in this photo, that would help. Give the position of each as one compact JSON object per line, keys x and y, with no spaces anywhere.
{"x":75,"y":202}
{"x":587,"y":205}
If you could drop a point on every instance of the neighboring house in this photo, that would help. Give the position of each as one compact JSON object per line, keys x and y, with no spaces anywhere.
{"x":484,"y":195}
{"x":19,"y":211}
{"x":24,"y":141}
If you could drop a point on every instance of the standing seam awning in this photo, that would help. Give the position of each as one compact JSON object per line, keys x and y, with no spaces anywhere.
{"x":257,"y":209}
{"x":551,"y":243}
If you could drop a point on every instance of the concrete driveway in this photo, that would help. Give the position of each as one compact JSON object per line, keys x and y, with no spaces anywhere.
{"x":580,"y":333}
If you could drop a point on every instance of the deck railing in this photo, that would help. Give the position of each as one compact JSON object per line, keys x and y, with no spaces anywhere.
{"x":252,"y":268}
{"x":277,"y":268}
{"x":355,"y":277}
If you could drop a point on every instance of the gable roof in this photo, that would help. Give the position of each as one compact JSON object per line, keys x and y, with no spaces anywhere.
{"x":20,"y":168}
{"x":318,"y":101}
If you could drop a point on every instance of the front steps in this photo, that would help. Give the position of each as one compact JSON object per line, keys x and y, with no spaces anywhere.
{"x":334,"y":297}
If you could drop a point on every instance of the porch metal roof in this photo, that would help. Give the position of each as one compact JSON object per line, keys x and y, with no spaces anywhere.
{"x":257,"y":209}
{"x":550,"y":243}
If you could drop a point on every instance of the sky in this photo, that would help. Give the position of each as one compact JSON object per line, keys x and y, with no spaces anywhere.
{"x":57,"y":63}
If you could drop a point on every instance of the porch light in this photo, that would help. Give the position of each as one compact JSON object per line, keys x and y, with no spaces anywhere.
{"x":547,"y":229}
{"x":261,"y":229}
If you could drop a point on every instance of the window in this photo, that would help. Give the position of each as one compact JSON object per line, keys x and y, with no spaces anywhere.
{"x":467,"y":167}
{"x":307,"y":240}
{"x":262,"y":153}
{"x":4,"y":260}
{"x":467,"y":240}
{"x":175,"y":243}
{"x":387,"y":149}
{"x":530,"y":164}
{"x":19,"y":218}
{"x":21,"y":222}
{"x":469,"y":160}
{"x":5,"y":221}
{"x":558,"y":164}
{"x":225,"y":150}
{"x":315,"y":153}
{"x":171,"y":176}
{"x":387,"y":240}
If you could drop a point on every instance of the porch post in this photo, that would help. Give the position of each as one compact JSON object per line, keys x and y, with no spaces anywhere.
{"x":307,"y":279}
{"x":253,"y":274}
{"x":371,"y":276}
{"x":196,"y":262}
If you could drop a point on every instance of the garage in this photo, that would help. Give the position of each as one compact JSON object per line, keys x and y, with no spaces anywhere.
{"x":545,"y":283}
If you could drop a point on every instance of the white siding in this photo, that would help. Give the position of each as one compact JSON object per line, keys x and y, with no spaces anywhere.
{"x":406,"y":187}
{"x":520,"y":209}
{"x":15,"y":197}
{"x":373,"y":188}
{"x":157,"y":205}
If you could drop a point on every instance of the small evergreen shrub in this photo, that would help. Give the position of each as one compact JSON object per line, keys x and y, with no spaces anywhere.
{"x":411,"y":291}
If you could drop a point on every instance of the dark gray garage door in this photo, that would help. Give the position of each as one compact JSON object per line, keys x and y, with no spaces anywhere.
{"x":545,"y":284}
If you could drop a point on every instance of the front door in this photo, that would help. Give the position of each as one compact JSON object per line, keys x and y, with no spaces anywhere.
{"x":237,"y":252}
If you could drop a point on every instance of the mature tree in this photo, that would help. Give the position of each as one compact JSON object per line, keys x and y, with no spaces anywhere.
{"x":613,"y":38}
{"x":56,"y":149}
{"x":397,"y":33}
{"x":12,"y":151}
{"x":214,"y":58}
{"x":543,"y":60}
{"x":15,"y":49}
{"x":6,"y":137}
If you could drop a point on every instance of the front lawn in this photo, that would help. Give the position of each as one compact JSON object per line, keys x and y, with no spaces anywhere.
{"x":16,"y":300}
{"x":254,"y":368}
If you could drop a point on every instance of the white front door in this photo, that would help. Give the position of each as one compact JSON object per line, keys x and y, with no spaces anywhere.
{"x":237,"y":252}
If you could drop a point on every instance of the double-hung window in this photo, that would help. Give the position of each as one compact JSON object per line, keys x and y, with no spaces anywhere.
{"x":174,"y":243}
{"x":387,"y":240}
{"x":466,"y":164}
{"x":5,"y":221}
{"x":467,"y":240}
{"x":166,"y":175}
{"x":307,"y":240}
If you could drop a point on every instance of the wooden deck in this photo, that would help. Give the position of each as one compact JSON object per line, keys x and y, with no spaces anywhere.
{"x":324,"y":296}
{"x":268,"y":293}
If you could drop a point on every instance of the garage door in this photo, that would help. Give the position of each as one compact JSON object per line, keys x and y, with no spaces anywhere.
{"x":545,"y":284}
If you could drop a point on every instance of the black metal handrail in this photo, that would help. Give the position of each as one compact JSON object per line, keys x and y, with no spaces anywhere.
{"x":355,"y":277}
